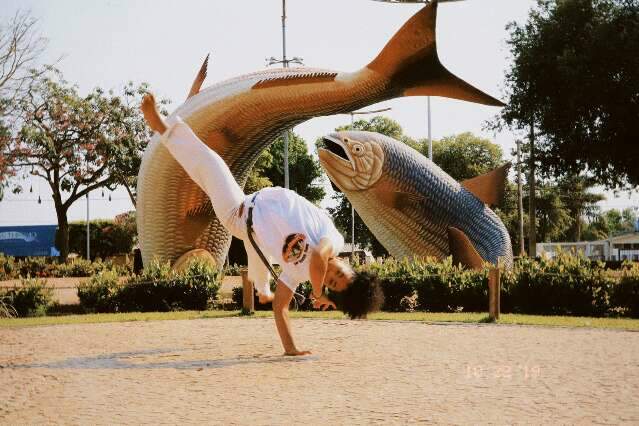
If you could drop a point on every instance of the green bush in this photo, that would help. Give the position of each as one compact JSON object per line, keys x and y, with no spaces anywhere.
{"x":35,"y":267}
{"x":98,"y":293}
{"x":396,"y":283}
{"x":625,"y":293}
{"x":233,"y":269}
{"x":565,"y":285}
{"x":46,"y":267}
{"x":107,"y":237}
{"x":158,"y":288}
{"x":8,"y":267}
{"x":31,"y":297}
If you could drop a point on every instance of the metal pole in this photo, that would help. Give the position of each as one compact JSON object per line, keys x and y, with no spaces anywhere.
{"x":352,"y":209}
{"x":88,"y":226}
{"x":285,"y":65}
{"x":430,"y":140}
{"x":532,"y":228}
{"x":520,"y":196}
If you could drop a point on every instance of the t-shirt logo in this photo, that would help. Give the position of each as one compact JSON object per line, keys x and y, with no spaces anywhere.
{"x":295,"y":248}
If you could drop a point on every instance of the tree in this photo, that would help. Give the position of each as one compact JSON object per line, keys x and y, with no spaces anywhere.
{"x":77,"y":144}
{"x":20,"y":47}
{"x":553,"y":216}
{"x":579,"y":202}
{"x":465,"y":156}
{"x":575,"y":81}
{"x":304,"y":170}
{"x":610,"y":223}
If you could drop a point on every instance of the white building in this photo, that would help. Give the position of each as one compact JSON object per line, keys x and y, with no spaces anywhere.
{"x":620,"y":247}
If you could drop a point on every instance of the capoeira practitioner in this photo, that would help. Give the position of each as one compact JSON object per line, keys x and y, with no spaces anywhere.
{"x":277,"y":226}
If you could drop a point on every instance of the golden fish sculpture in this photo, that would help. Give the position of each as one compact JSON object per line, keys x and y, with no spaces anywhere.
{"x":240,"y":117}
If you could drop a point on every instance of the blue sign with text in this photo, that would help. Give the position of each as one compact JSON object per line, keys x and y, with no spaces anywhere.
{"x":28,"y":240}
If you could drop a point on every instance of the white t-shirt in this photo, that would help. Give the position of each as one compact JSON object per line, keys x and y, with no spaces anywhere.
{"x":288,"y":227}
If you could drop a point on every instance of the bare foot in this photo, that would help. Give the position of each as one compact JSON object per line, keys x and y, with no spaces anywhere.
{"x":151,"y":114}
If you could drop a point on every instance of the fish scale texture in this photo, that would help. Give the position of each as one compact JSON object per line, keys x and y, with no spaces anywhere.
{"x":421,"y":227}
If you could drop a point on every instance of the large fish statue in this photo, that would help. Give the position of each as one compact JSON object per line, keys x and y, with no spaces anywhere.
{"x":412,"y":206}
{"x":239,"y":118}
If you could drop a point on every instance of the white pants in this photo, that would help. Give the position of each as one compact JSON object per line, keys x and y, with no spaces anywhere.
{"x":209,"y":171}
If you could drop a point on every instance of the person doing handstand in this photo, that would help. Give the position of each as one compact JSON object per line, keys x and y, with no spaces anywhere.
{"x":286,"y":229}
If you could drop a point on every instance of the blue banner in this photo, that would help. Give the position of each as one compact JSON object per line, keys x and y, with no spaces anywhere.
{"x":28,"y":240}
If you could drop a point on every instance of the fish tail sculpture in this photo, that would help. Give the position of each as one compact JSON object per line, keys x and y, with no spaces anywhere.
{"x":241,"y":117}
{"x":412,"y":206}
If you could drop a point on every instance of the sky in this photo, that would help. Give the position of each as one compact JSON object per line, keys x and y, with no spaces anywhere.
{"x":106,"y":43}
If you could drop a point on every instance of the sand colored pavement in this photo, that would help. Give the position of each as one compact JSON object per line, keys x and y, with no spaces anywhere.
{"x":229,"y":371}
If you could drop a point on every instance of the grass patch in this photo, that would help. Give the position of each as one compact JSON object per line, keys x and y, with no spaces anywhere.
{"x":121,"y":317}
{"x":428,"y":317}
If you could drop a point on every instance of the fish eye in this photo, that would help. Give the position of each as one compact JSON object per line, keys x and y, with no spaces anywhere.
{"x":358,"y":149}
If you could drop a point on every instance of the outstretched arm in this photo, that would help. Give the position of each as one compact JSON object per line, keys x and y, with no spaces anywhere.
{"x":283,"y":297}
{"x":319,"y":265}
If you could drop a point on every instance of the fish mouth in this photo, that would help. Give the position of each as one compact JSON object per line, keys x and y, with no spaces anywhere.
{"x":336,"y":161}
{"x":333,"y":145}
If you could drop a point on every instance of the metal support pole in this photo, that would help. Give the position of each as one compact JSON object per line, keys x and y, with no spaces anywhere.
{"x":88,"y":229}
{"x":248,"y":294}
{"x":520,"y":196}
{"x":532,"y":213}
{"x":352,"y":209}
{"x":285,"y":65}
{"x":494,"y":290}
{"x":430,"y":139}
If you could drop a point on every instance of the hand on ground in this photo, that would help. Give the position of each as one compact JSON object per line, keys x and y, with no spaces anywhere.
{"x":295,"y":352}
{"x":323,"y":303}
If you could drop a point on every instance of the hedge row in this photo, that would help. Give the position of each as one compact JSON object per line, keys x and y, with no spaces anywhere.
{"x":158,"y":288}
{"x":566,"y":285}
{"x":47,"y":267}
{"x":107,"y":237}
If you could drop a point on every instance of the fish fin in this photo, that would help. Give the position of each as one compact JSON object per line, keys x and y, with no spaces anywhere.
{"x":399,"y":200}
{"x":199,"y":78}
{"x":293,"y":79}
{"x":489,"y":187}
{"x":463,"y":250}
{"x":411,"y":62}
{"x":196,"y":221}
{"x":202,"y":255}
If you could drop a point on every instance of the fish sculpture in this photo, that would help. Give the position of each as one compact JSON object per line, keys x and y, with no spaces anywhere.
{"x":241,"y":117}
{"x":412,"y":206}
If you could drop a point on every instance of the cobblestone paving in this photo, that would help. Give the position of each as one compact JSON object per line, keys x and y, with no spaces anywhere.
{"x":229,"y":371}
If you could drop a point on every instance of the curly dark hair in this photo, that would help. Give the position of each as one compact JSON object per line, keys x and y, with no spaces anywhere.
{"x":363,"y":295}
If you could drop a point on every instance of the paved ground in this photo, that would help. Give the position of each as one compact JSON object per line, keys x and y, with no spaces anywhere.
{"x":228,"y":371}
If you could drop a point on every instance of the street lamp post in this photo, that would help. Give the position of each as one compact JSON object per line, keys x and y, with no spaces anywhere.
{"x":520,"y":201}
{"x":285,"y":62}
{"x":88,"y":226}
{"x":353,"y":114}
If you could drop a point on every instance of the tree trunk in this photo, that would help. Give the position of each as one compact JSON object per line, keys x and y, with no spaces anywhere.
{"x":62,"y":235}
